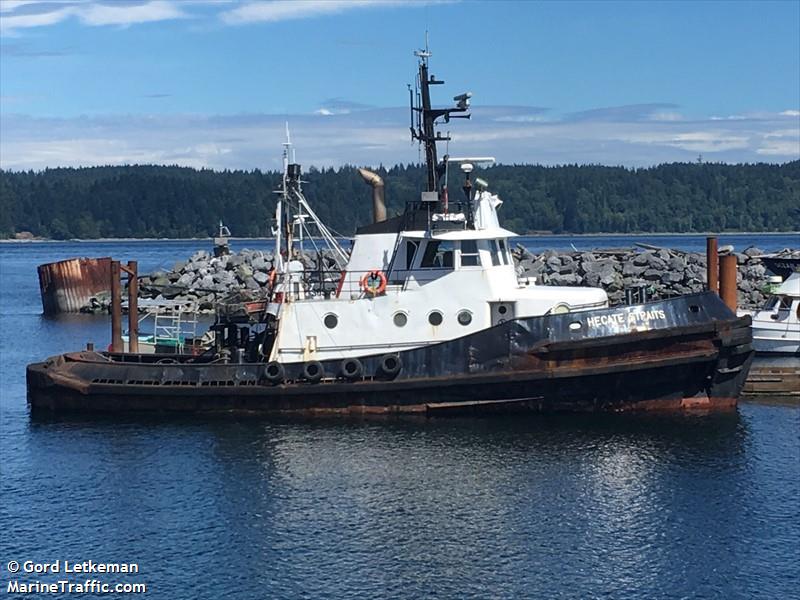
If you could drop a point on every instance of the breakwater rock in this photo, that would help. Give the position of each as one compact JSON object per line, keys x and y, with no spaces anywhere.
{"x":204,"y":280}
{"x":663,"y":272}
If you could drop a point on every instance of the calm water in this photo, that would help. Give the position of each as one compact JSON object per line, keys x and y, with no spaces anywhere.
{"x":568,"y":507}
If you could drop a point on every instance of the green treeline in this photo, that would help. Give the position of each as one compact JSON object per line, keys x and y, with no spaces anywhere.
{"x":157,"y":201}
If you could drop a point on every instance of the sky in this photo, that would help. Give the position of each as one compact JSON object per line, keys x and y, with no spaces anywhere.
{"x":211,"y":83}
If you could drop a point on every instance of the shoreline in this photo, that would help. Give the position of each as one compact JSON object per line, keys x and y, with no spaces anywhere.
{"x":522,"y":235}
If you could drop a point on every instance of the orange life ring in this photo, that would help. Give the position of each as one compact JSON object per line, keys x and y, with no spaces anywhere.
{"x":368,"y":282}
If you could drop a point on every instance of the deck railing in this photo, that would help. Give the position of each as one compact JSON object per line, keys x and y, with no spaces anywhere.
{"x":330,"y":283}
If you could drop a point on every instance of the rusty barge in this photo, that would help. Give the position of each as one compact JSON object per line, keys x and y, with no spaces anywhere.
{"x":426,"y":314}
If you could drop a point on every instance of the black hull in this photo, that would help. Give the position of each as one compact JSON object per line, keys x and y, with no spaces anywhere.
{"x":696,"y":356}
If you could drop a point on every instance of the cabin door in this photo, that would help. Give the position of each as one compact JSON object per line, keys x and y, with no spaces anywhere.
{"x":502,"y":312}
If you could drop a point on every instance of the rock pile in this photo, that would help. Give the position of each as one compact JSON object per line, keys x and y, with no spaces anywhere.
{"x":205,"y":280}
{"x":663,"y":272}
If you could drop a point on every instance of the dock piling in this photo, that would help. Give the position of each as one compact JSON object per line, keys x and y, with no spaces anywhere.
{"x":727,"y":280}
{"x":116,"y":309}
{"x":712,"y":264}
{"x":133,"y":306}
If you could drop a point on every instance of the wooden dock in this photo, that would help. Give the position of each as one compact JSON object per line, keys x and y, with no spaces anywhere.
{"x":769,"y":380}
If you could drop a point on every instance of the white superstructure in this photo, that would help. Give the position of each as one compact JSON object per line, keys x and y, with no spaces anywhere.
{"x":439,"y":271}
{"x":440,"y":285}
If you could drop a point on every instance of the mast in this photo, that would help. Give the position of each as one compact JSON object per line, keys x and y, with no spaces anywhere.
{"x":292,"y":211}
{"x":281,"y":208}
{"x":424,"y":129}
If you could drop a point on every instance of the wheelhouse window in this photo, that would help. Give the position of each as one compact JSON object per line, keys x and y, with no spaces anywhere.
{"x":469,"y":253}
{"x":503,"y":251}
{"x":494,"y":252}
{"x":438,"y":255}
{"x":411,"y":250}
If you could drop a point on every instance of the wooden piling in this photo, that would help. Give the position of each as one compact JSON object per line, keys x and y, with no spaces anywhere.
{"x":727,"y":280}
{"x":712,"y":264}
{"x":133,"y":306}
{"x":116,"y":309}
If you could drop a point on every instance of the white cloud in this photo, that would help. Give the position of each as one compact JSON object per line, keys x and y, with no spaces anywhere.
{"x":19,"y":15}
{"x":694,"y":141}
{"x":780,"y":142}
{"x":791,"y":113}
{"x":42,"y":14}
{"x":779,"y":133}
{"x":12,"y":5}
{"x":10,"y":24}
{"x":780,"y":148}
{"x":666,"y":116}
{"x":520,"y":119}
{"x":119,"y":14}
{"x":709,"y":141}
{"x":263,"y":11}
{"x":373,"y":136}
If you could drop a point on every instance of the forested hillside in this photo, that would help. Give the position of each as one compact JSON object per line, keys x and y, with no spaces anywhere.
{"x":156,"y":201}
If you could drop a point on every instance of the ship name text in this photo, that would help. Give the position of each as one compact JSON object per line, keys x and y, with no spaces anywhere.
{"x":626,"y":318}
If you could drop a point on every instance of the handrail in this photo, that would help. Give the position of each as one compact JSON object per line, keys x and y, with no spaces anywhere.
{"x":326,"y":282}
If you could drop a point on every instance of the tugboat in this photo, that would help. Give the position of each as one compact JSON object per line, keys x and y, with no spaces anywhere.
{"x":426,"y":314}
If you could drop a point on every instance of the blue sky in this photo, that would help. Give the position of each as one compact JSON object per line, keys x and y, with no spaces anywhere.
{"x":210,"y":83}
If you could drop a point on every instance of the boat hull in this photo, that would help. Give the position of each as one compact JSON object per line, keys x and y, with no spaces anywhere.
{"x":772,"y":336}
{"x":776,"y":338}
{"x":698,"y":359}
{"x":770,"y":345}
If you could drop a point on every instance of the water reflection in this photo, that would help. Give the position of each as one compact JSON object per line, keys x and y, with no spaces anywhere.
{"x":500,"y":507}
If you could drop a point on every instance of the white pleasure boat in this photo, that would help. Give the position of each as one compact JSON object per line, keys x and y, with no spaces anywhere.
{"x":776,"y":326}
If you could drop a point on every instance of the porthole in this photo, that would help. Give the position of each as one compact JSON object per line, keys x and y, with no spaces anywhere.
{"x":465,"y":317}
{"x":574,"y":326}
{"x":400,"y":319}
{"x":502,"y":309}
{"x":331,"y":320}
{"x":435,"y":318}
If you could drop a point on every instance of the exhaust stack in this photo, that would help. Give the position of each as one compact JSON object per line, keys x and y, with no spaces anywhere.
{"x":378,"y":202}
